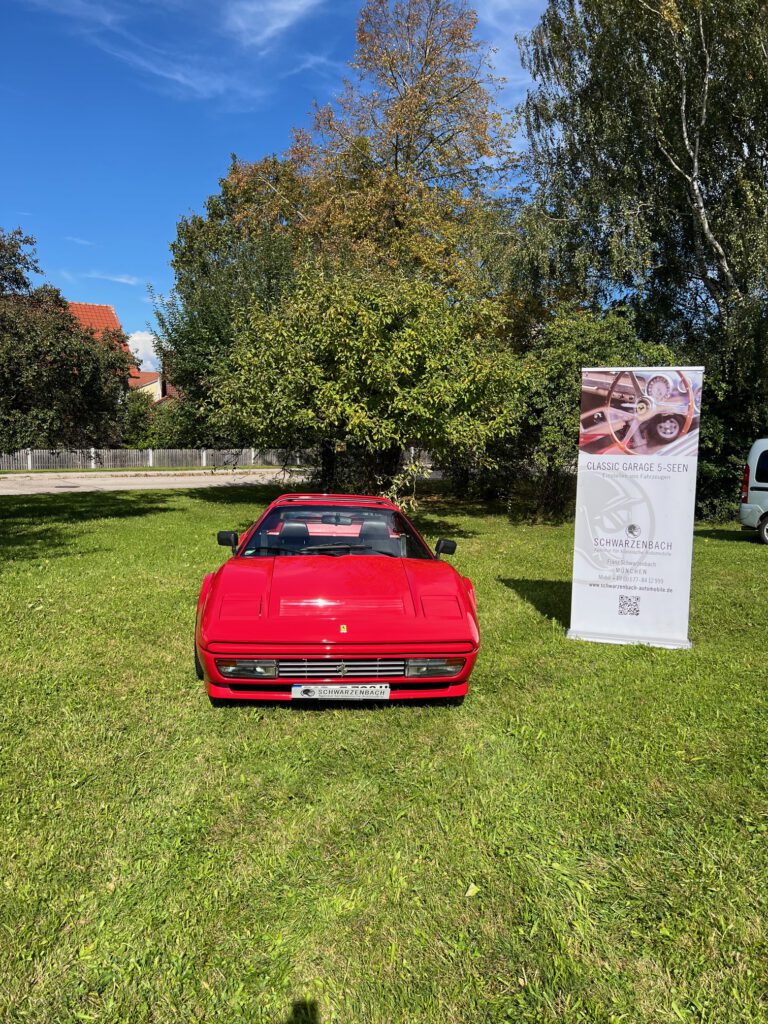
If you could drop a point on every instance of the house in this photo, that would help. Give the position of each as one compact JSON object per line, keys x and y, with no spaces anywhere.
{"x":148,"y":381}
{"x":104,"y":318}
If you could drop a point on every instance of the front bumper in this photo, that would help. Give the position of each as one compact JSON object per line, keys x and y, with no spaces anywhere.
{"x":401,"y":687}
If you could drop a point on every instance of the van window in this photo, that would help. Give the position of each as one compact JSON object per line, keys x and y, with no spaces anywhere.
{"x":761,"y":469}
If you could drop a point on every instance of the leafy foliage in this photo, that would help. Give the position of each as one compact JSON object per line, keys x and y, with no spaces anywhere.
{"x":645,"y":189}
{"x":174,"y":423}
{"x":60,"y":386}
{"x":136,"y":421}
{"x":17,"y":262}
{"x":170,"y":423}
{"x":371,"y":361}
{"x":413,"y":148}
{"x":398,"y":177}
{"x":574,"y":338}
{"x":536,"y":455}
{"x":648,"y":136}
{"x":218,"y":267}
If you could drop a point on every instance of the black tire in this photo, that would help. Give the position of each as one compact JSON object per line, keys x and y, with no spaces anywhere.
{"x":762,"y":530}
{"x":198,"y":665}
{"x":453,"y":702}
{"x":666,"y":429}
{"x":218,"y":702}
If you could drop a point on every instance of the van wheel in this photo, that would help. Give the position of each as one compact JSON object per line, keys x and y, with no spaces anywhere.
{"x":762,"y":530}
{"x":198,"y":665}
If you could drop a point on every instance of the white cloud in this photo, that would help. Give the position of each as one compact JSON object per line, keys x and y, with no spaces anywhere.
{"x":188,"y":77}
{"x":76,"y":240}
{"x":319,"y":63}
{"x":99,"y":15}
{"x":202,"y":76}
{"x":114,"y":278}
{"x":500,"y":21}
{"x":142,"y":344}
{"x":259,"y":22}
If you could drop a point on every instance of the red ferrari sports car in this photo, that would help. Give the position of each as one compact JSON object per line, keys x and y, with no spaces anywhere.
{"x":335,"y":596}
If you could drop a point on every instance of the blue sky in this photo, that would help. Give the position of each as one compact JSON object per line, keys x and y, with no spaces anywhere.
{"x":119,"y":116}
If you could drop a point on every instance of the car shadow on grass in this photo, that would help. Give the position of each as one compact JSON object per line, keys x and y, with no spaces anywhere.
{"x":36,"y":525}
{"x":303,"y":1011}
{"x":550,"y":598}
{"x":306,"y":706}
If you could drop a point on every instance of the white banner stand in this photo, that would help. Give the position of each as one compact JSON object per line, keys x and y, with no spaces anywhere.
{"x":638,"y":453}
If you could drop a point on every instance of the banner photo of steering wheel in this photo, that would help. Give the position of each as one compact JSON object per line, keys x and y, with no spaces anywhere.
{"x":658,"y":410}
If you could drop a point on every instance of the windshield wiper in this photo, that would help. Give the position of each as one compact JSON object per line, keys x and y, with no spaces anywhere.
{"x":273,"y":548}
{"x":320,"y":549}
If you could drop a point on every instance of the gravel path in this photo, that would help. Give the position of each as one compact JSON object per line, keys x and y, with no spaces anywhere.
{"x":61,"y":483}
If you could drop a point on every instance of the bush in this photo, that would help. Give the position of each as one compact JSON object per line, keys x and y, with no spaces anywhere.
{"x":538,"y":458}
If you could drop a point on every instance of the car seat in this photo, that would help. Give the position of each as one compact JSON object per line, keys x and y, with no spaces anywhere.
{"x":294,"y":535}
{"x":376,"y":534}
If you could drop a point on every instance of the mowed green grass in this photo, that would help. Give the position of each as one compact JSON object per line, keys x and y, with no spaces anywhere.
{"x":586,"y":839}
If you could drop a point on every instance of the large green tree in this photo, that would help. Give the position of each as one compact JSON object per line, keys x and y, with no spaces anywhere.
{"x":402,"y":173}
{"x":367,"y":364}
{"x":60,"y":386}
{"x":648,"y":126}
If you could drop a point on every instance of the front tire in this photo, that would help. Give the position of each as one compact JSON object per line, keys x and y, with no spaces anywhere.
{"x":218,"y":702}
{"x":198,"y":665}
{"x":762,"y":530}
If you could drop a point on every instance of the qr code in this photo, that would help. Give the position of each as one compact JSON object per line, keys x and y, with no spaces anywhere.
{"x":629,"y":605}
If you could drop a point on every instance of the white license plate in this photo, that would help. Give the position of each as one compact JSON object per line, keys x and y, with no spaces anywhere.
{"x":337,"y":691}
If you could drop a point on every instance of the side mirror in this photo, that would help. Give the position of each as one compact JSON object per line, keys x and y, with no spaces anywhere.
{"x":445,"y":547}
{"x":228,"y":539}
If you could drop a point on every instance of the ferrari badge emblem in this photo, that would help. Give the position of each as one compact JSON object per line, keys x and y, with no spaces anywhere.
{"x":342,"y":629}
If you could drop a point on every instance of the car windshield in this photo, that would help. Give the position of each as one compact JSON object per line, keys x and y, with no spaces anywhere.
{"x":333,"y":531}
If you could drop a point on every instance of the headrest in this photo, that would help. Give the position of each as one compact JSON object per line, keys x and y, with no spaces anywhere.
{"x":374,"y":530}
{"x":293,"y":530}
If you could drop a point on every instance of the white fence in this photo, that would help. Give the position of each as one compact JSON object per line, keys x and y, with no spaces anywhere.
{"x":149,"y":458}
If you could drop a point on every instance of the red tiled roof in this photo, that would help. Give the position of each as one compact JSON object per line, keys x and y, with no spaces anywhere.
{"x":100,"y":318}
{"x":140,"y":378}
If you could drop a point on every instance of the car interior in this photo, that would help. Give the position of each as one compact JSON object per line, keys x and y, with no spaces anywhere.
{"x":317,"y":531}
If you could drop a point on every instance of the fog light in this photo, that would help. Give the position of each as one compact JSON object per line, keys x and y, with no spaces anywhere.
{"x":428,"y":667}
{"x":247,"y":668}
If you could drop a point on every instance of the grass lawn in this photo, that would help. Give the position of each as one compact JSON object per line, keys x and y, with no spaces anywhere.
{"x":586,"y":839}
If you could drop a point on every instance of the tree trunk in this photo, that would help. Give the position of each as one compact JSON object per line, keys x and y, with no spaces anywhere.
{"x":328,"y":465}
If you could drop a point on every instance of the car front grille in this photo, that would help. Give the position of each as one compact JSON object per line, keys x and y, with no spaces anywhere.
{"x":341,"y":668}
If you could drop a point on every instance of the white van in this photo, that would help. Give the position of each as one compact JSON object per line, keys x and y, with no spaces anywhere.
{"x":753,"y":511}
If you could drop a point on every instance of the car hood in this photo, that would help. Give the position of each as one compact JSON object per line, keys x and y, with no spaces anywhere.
{"x":317,"y":599}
